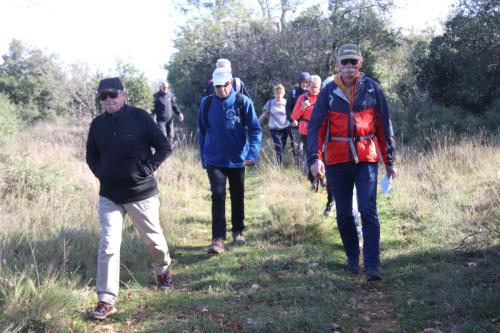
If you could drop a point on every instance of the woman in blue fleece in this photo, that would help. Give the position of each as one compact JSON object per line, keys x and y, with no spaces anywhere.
{"x":229,"y":138}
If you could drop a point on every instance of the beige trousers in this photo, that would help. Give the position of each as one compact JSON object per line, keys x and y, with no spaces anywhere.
{"x":145,"y":215}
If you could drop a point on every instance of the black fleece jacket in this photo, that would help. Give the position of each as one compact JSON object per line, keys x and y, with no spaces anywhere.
{"x":291,"y":100}
{"x":120,"y":156}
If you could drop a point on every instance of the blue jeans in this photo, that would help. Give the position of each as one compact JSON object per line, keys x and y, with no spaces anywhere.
{"x":167,"y":128}
{"x":342,"y":178}
{"x":280,"y":137}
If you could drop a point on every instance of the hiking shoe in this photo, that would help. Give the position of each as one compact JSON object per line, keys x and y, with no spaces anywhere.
{"x":217,"y":247}
{"x":330,"y":207}
{"x":102,"y":310}
{"x":352,"y":267}
{"x":164,"y":281}
{"x":373,"y":276}
{"x":238,"y":238}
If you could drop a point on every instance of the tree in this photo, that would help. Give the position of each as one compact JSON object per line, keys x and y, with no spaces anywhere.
{"x":462,"y":68}
{"x":33,"y":81}
{"x":136,"y":84}
{"x":82,"y":89}
{"x":363,"y":22}
{"x":263,"y":55}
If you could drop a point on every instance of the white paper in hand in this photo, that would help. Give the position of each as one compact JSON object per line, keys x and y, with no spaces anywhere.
{"x":385,"y":184}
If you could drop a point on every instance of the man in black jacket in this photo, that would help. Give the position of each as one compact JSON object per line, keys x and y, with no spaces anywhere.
{"x":164,"y":107}
{"x":119,"y":154}
{"x":299,"y":89}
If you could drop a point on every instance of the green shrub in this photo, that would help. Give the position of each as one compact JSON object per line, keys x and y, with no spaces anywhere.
{"x":9,"y":119}
{"x":34,"y":81}
{"x":296,"y":223}
{"x":419,"y":120}
{"x":30,"y":180}
{"x":32,"y":306}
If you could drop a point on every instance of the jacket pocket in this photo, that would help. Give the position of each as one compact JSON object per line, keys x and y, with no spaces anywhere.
{"x":122,"y":172}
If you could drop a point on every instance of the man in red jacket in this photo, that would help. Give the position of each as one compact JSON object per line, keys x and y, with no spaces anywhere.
{"x":353,"y":110}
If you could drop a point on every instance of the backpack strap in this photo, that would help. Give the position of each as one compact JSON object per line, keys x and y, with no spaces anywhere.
{"x":206,"y":107}
{"x":240,"y":109}
{"x":237,"y":84}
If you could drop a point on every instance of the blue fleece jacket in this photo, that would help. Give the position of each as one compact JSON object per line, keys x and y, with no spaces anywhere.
{"x":224,"y":142}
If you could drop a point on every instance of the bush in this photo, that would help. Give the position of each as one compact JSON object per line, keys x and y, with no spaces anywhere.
{"x":34,"y":81}
{"x":423,"y":117}
{"x":296,"y":223}
{"x":9,"y":119}
{"x":26,"y":179}
{"x":36,"y":306}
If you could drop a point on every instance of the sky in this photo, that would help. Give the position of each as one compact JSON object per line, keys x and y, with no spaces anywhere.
{"x":101,"y":32}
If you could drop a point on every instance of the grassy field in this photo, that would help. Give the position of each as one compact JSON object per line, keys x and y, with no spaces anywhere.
{"x":440,"y":247}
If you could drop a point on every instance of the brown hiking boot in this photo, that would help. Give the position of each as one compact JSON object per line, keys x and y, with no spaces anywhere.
{"x":165,"y":282}
{"x":102,"y":310}
{"x":238,"y":238}
{"x":217,"y":247}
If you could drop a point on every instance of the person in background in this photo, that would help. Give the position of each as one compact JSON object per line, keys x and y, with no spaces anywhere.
{"x":119,"y":153}
{"x":238,"y":85}
{"x":352,"y":113}
{"x":299,"y":89}
{"x":279,"y":126}
{"x":164,"y":107}
{"x":302,"y":113}
{"x":229,"y":138}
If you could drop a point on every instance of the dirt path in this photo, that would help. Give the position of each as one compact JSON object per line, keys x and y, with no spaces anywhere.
{"x":375,"y":309}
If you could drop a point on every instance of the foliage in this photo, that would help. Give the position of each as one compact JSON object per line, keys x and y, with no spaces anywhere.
{"x":28,"y":179}
{"x":82,"y":89}
{"x":439,"y":220}
{"x":263,"y":55}
{"x":36,"y":306}
{"x":34,"y":81}
{"x":136,"y":84}
{"x":9,"y":119}
{"x":462,"y":68}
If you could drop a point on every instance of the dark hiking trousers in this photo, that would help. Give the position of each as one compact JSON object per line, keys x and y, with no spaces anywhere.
{"x":218,"y":178}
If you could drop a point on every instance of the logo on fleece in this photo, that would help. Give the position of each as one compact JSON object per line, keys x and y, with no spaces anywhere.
{"x":231,"y":118}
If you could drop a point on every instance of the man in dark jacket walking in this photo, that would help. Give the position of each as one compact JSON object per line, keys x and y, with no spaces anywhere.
{"x":299,"y":89}
{"x":119,"y":154}
{"x":164,"y":106}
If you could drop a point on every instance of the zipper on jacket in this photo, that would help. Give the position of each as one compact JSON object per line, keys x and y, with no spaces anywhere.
{"x":112,"y":120}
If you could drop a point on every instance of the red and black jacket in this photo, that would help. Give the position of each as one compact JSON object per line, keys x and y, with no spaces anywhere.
{"x":357,"y":132}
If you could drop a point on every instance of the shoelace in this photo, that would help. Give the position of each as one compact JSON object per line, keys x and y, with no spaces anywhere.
{"x":164,"y":278}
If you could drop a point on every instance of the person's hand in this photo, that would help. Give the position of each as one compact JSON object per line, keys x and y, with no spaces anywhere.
{"x":306,"y":104}
{"x":248,"y":162}
{"x":180,"y":116}
{"x":318,"y":169}
{"x":294,"y":123}
{"x":391,"y":171}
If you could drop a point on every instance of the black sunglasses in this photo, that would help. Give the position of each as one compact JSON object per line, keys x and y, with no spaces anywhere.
{"x":353,"y":62}
{"x":105,"y":94}
{"x":222,"y":86}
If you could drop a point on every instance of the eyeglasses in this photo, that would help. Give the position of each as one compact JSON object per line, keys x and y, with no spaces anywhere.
{"x":222,"y":86}
{"x":105,"y":94}
{"x":353,"y":62}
